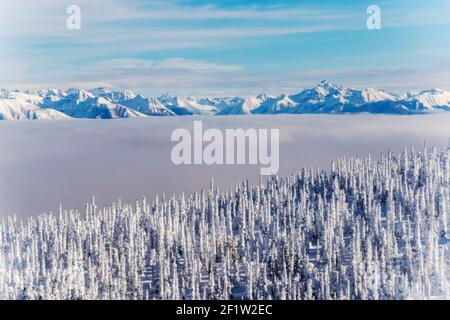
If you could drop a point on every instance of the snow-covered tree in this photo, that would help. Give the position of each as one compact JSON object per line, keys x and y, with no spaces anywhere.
{"x":364,"y":230}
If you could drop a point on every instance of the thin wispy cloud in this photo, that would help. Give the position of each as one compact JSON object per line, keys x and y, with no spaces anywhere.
{"x":216,"y":47}
{"x":171,"y":63}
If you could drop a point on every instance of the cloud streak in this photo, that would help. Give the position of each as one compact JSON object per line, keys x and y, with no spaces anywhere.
{"x":155,"y":46}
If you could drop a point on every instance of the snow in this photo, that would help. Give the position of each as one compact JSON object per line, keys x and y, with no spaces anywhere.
{"x":147,"y":106}
{"x":362,"y":229}
{"x":187,"y":106}
{"x":241,"y":106}
{"x":82,"y":104}
{"x":326,"y":97}
{"x":21,"y":107}
{"x":127,"y":158}
{"x":430,"y":99}
{"x":280,"y":104}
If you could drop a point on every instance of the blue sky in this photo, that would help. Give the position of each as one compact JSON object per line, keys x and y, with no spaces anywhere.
{"x":224,"y":47}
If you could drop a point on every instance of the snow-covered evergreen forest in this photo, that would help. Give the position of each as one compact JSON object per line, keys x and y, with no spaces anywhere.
{"x":364,"y":229}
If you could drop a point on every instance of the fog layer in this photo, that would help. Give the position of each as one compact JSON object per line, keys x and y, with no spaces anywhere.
{"x":45,"y":163}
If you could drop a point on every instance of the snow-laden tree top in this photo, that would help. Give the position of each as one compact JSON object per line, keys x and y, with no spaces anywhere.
{"x":364,"y":230}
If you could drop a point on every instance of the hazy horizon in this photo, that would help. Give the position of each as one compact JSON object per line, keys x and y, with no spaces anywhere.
{"x":47,"y":163}
{"x":224,"y":48}
{"x":110,"y":88}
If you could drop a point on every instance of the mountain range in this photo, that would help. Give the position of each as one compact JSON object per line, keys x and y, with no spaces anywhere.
{"x":102,"y":103}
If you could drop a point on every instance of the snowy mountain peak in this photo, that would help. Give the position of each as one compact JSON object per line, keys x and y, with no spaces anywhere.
{"x":99,"y":90}
{"x":431,"y":99}
{"x":329,"y":85}
{"x":326,"y":97}
{"x":79,"y":95}
{"x":432,"y":91}
{"x":166,"y":96}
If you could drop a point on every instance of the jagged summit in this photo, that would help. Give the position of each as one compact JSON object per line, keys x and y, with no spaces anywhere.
{"x":329,"y":85}
{"x":102,"y":102}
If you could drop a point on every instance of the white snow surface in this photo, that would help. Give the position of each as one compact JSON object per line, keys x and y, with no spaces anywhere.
{"x":361,"y":230}
{"x":103,"y":103}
